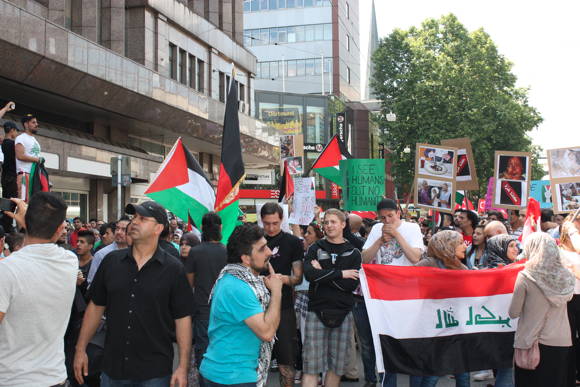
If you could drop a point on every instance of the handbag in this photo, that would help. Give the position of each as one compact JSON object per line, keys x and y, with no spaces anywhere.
{"x":528,"y":359}
{"x":332,"y":318}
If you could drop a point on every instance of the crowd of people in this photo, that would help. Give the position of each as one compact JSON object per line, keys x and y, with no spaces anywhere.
{"x":111,"y":304}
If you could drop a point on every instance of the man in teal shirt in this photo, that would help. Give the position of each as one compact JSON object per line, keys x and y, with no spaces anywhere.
{"x":244,"y":314}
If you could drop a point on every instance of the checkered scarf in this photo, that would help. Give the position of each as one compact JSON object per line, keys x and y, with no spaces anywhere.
{"x":263,"y":294}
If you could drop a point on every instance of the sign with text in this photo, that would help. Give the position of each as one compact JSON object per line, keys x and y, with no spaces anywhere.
{"x":542,"y":192}
{"x":363,"y":183}
{"x":304,"y":201}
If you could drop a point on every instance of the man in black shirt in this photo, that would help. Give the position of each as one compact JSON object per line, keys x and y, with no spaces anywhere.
{"x":203,"y":266}
{"x":286,"y":259}
{"x":9,"y":188}
{"x":331,"y":265}
{"x":148,"y":303}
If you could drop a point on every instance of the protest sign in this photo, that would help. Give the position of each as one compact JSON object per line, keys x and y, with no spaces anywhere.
{"x":542,"y":192}
{"x":304,"y":201}
{"x":435,"y":184}
{"x":363,"y":183}
{"x":466,"y":174}
{"x":512,"y":179}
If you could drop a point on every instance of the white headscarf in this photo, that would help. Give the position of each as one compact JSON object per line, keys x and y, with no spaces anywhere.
{"x":544,"y":266}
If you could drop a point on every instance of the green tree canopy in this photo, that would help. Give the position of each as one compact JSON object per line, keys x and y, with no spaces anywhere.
{"x":443,"y":81}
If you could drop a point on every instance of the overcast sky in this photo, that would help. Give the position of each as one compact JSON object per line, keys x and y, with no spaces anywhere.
{"x":541,"y":38}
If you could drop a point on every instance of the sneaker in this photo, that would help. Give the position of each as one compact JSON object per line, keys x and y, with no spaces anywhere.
{"x":483,"y":375}
{"x":298,"y":377}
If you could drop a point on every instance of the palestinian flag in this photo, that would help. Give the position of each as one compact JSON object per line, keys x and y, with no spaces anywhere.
{"x":181,"y":186}
{"x":327,"y":164}
{"x":428,"y":321}
{"x":37,"y":181}
{"x":232,"y":170}
{"x":286,"y":184}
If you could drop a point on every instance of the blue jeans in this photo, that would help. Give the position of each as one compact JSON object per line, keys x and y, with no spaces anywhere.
{"x":504,"y":377}
{"x":209,"y":383}
{"x":200,"y":339}
{"x":461,"y":380}
{"x":163,"y":381}
{"x":365,"y":337}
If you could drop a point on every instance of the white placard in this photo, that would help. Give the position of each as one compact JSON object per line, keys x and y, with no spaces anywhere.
{"x":304,"y":201}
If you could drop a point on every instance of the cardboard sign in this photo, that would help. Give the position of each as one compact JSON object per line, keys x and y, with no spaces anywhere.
{"x":304,"y":201}
{"x":512,"y":179}
{"x":363,"y":183}
{"x":564,"y":166}
{"x":466,"y":174}
{"x":541,"y":190}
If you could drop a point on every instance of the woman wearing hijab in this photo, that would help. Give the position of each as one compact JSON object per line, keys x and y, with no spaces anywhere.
{"x":541,"y":293}
{"x":444,"y":251}
{"x":502,"y":250}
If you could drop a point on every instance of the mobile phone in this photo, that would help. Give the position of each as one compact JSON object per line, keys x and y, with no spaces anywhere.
{"x":7,"y":205}
{"x":12,"y":106}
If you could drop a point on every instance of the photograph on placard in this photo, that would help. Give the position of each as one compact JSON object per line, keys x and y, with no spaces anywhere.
{"x":511,"y":193}
{"x":567,"y":196}
{"x":512,"y":179}
{"x":466,"y":174}
{"x":564,"y":163}
{"x":511,"y":167}
{"x":295,"y":165}
{"x":435,"y":194}
{"x":435,"y":160}
{"x":541,"y":190}
{"x":287,"y":146}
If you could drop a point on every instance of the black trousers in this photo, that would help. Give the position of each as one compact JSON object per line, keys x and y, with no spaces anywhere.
{"x":574,"y":358}
{"x":551,"y":372}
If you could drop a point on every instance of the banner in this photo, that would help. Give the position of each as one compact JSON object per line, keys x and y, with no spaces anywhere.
{"x":304,"y":201}
{"x":286,"y":119}
{"x":466,"y":174}
{"x":542,"y":192}
{"x":428,"y":321}
{"x":363,"y":183}
{"x":564,"y":165}
{"x":512,"y":179}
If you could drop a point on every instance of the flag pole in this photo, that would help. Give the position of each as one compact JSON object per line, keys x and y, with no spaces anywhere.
{"x":408,"y":199}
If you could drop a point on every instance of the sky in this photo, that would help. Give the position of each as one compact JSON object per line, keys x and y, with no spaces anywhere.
{"x":541,"y":39}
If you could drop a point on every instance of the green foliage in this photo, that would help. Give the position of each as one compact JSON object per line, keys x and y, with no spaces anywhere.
{"x":443,"y":81}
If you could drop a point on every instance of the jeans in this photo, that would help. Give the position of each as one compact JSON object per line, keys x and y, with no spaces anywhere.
{"x":504,"y":377}
{"x":163,"y":381}
{"x":209,"y":383}
{"x":200,"y":339}
{"x":461,"y":380}
{"x":365,"y":337}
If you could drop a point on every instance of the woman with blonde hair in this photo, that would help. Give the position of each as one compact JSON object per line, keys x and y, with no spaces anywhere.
{"x":541,"y":293}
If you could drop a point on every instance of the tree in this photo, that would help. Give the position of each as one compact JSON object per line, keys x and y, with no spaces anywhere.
{"x":443,"y":81}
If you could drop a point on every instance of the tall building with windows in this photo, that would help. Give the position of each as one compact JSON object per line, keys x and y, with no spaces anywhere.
{"x":127,"y":77}
{"x":305,"y":46}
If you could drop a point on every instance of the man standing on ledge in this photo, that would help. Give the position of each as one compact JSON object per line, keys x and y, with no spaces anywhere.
{"x":148,"y":303}
{"x":27,"y":151}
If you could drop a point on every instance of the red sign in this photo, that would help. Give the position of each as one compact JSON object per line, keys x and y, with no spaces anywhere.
{"x":334,"y":191}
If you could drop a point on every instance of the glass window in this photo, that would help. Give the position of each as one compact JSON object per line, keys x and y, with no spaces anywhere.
{"x":191,"y":71}
{"x":265,"y":69}
{"x":300,"y":67}
{"x":247,"y":5}
{"x":327,"y":65}
{"x":282,"y":35}
{"x":299,"y":33}
{"x":255,"y":37}
{"x":255,"y":5}
{"x":348,"y":74}
{"x":308,"y":3}
{"x":247,"y":38}
{"x":310,"y":67}
{"x":318,"y":32}
{"x":263,"y":5}
{"x":308,"y":33}
{"x":291,"y":34}
{"x":281,"y":3}
{"x":328,"y":31}
{"x":273,"y":4}
{"x":200,"y":75}
{"x":274,"y":69}
{"x":172,"y":61}
{"x":263,"y":37}
{"x":291,"y":68}
{"x":317,"y":66}
{"x":291,"y":3}
{"x":299,"y":3}
{"x":314,"y":124}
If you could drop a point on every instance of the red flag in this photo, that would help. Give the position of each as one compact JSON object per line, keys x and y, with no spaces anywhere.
{"x":533,"y":217}
{"x":286,"y":184}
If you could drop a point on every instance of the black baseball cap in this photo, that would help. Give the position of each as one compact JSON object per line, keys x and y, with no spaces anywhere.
{"x":387,"y":204}
{"x":149,"y":209}
{"x":9,"y":125}
{"x":27,"y":118}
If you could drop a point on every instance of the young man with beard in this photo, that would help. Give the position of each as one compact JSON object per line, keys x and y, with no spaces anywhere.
{"x":119,"y":243}
{"x":244,"y":315}
{"x":287,"y":257}
{"x":331,"y":265}
{"x":27,"y":151}
{"x":144,"y":291}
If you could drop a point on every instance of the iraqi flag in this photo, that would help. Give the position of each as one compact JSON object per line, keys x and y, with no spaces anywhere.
{"x":181,"y":186}
{"x":327,"y":164}
{"x":427,"y":321}
{"x":232,"y":170}
{"x":286,"y":184}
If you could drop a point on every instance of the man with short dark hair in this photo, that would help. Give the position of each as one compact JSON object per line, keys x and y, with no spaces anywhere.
{"x":145,"y":294}
{"x":244,"y":314}
{"x":287,"y":256}
{"x":165,"y":242}
{"x":9,"y":187}
{"x":467,"y":220}
{"x":78,"y":225}
{"x":516,"y":223}
{"x":34,"y":313}
{"x":203,"y":266}
{"x":107,"y":232}
{"x":27,"y":150}
{"x":547,"y":223}
{"x":120,"y":242}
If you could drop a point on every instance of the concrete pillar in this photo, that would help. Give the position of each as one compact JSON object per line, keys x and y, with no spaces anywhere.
{"x":226,"y":24}
{"x":96,"y":199}
{"x":238,"y":21}
{"x":113,"y":25}
{"x":56,"y":12}
{"x":214,"y":12}
{"x":162,"y":46}
{"x":85,"y":19}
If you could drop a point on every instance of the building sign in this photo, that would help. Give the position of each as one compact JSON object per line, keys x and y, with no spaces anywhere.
{"x":287,"y":120}
{"x":313,"y":147}
{"x":259,"y":177}
{"x":340,"y":126}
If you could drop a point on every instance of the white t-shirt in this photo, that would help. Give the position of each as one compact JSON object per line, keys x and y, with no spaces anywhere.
{"x":37,"y":287}
{"x":31,"y":148}
{"x":391,"y":253}
{"x":572,"y":258}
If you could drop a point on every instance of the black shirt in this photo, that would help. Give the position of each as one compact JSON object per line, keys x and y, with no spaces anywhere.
{"x":286,"y":249}
{"x":9,"y":165}
{"x":141,"y":309}
{"x":328,"y":290}
{"x":168,"y":247}
{"x":205,"y":261}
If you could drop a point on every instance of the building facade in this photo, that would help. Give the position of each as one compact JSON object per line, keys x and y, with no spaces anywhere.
{"x":127,"y":77}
